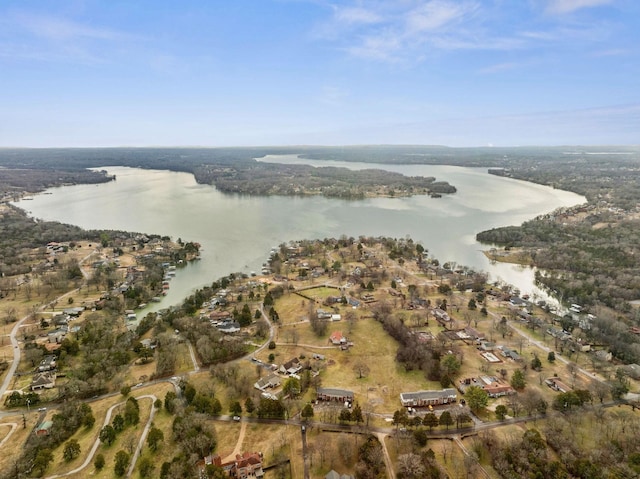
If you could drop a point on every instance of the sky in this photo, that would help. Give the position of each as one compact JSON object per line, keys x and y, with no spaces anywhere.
{"x":82,"y":73}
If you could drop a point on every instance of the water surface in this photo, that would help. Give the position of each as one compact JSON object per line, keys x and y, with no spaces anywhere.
{"x":236,"y":232}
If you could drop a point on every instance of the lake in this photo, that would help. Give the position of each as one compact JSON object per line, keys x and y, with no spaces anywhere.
{"x":237,"y":232}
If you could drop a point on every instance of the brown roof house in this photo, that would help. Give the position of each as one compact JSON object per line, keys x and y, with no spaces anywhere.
{"x":428,"y":398}
{"x":493,"y":386}
{"x":44,"y":428}
{"x":333,"y":394}
{"x":291,"y":367}
{"x":245,"y":466}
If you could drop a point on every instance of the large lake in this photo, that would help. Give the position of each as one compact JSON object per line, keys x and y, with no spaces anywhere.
{"x":237,"y":232}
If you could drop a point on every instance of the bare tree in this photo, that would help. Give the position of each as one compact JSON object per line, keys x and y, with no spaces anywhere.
{"x":410,"y":466}
{"x":361,"y":368}
{"x":573,"y":370}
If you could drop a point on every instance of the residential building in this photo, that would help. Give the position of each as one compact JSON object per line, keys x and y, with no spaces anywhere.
{"x":334,"y":394}
{"x":48,"y":363}
{"x":45,"y":380}
{"x":493,"y":386}
{"x":270,"y":381}
{"x":44,"y":428}
{"x":428,"y":398}
{"x":336,"y":475}
{"x":291,"y":367}
{"x":557,"y":385}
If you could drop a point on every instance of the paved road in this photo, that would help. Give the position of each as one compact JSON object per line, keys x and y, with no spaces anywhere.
{"x":96,"y":444}
{"x":143,"y":436}
{"x":196,"y":367}
{"x":13,"y":426}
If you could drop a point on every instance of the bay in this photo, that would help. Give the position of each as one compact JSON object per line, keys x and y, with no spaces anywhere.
{"x":237,"y":232}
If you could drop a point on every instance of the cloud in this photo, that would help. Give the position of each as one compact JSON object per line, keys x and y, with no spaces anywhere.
{"x":410,"y":31}
{"x":435,"y":15}
{"x":560,"y":7}
{"x":356,"y":15}
{"x":394,"y":31}
{"x":52,"y":38}
{"x":61,"y":29}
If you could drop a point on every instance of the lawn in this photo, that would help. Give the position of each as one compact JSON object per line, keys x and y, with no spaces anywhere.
{"x":127,"y":440}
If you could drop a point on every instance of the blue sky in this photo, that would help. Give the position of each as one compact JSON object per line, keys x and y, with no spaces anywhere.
{"x":281,"y":72}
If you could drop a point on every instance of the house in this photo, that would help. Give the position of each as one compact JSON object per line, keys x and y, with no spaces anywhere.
{"x":337,"y":338}
{"x":58,"y":335}
{"x":291,"y":367}
{"x":428,"y":398}
{"x":557,"y":385}
{"x":493,"y":386}
{"x":247,"y":465}
{"x":46,"y":380}
{"x":44,"y":428}
{"x":61,"y":320}
{"x":229,"y":327}
{"x":48,"y":363}
{"x":509,"y":353}
{"x":335,"y":475}
{"x":517,"y":301}
{"x":74,"y":312}
{"x":219,"y":315}
{"x":603,"y":355}
{"x":633,"y":370}
{"x":333,"y":394}
{"x":149,"y":343}
{"x":323,"y":314}
{"x":353,"y":302}
{"x":441,"y":315}
{"x":474,"y":334}
{"x":486,"y":346}
{"x":270,"y":381}
{"x":336,"y":317}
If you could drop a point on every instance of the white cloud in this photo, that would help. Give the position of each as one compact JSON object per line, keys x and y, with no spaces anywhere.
{"x":357,"y":15}
{"x":55,"y":28}
{"x":398,"y":30}
{"x":53,"y":38}
{"x":437,"y":14}
{"x":568,"y":6}
{"x":410,"y":31}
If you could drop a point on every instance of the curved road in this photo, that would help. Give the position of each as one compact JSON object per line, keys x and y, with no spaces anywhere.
{"x":14,"y":331}
{"x":96,"y":444}
{"x":13,"y":426}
